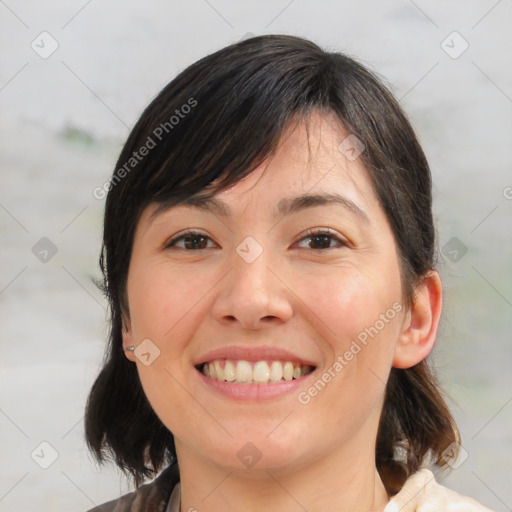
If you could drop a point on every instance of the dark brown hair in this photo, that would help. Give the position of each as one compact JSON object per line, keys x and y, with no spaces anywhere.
{"x":218,"y":120}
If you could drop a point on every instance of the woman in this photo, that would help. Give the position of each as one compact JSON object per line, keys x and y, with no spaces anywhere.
{"x":268,"y":256}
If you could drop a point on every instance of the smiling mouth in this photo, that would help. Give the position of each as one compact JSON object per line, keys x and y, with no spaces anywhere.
{"x":258,"y":372}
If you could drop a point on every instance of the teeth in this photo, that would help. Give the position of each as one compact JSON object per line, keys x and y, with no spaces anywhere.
{"x":229,"y":371}
{"x":276,"y":371}
{"x":261,"y":372}
{"x":218,"y":370}
{"x":244,"y":372}
{"x":288,"y":371}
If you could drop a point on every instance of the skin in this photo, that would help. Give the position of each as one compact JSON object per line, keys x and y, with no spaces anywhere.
{"x":314,"y":303}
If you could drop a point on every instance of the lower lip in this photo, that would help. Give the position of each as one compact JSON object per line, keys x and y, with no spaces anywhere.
{"x":254,"y":391}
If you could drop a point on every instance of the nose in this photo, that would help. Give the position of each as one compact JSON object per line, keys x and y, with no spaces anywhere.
{"x":253,"y":294}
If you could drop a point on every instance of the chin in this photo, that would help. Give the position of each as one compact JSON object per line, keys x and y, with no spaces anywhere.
{"x":252,"y":457}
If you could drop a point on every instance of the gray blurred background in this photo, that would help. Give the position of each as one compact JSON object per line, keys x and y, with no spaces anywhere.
{"x":75,"y":76}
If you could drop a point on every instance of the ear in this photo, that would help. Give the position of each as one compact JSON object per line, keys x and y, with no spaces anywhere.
{"x":419,"y":330}
{"x":128,"y":340}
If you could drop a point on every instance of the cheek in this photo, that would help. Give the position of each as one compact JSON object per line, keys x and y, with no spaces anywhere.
{"x":161,"y":308}
{"x":164,"y":306}
{"x":358,"y":315}
{"x":347,"y":302}
{"x":160,"y":300}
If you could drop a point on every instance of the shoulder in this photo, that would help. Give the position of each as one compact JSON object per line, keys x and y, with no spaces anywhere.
{"x":151,"y":497}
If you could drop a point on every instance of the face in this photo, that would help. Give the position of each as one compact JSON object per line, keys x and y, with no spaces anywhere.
{"x":297,"y":310}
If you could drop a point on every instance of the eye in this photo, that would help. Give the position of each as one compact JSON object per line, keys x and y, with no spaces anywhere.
{"x":323,"y":237}
{"x":193,"y":240}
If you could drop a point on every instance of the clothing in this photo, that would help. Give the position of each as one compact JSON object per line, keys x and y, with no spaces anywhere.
{"x":175,"y":501}
{"x":161,"y":495}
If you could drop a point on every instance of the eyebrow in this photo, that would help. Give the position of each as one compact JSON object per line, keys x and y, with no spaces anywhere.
{"x":284,"y":207}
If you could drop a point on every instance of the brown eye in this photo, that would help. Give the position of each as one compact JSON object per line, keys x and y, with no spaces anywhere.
{"x":192,"y":241}
{"x":321,"y":239}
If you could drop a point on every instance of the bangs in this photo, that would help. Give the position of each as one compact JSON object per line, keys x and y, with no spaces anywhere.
{"x":232,"y":119}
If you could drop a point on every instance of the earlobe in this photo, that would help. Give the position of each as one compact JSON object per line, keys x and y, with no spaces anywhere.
{"x":128,"y":339}
{"x":419,"y":329}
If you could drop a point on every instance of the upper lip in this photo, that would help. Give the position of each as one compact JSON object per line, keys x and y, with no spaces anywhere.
{"x":252,"y":354}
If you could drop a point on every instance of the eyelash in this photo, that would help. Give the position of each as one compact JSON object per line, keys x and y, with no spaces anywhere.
{"x":309,"y":234}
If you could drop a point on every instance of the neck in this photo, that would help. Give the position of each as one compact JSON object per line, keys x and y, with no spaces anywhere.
{"x":346,"y":480}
